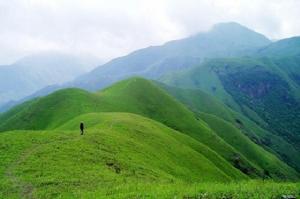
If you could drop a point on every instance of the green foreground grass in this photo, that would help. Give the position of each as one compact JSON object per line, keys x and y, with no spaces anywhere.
{"x":234,"y":190}
{"x":117,"y":149}
{"x":121,"y":155}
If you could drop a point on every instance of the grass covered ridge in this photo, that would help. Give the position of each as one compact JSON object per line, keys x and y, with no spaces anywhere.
{"x":137,"y":136}
{"x":116,"y":159}
{"x":139,"y":96}
{"x":126,"y":96}
{"x":113,"y":152}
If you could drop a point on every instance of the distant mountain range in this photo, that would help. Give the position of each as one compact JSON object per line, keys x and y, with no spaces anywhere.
{"x":223,"y":40}
{"x":34,"y":72}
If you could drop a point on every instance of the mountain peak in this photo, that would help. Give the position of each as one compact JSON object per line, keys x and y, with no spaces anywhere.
{"x":229,"y":26}
{"x":237,"y":33}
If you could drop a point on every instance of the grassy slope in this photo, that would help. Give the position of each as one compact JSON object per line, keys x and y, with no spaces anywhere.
{"x":240,"y":190}
{"x":269,"y":162}
{"x":201,"y":77}
{"x":127,"y":96}
{"x":50,"y":111}
{"x":206,"y":77}
{"x":198,"y":101}
{"x":268,"y":89}
{"x":117,"y":149}
{"x":197,"y":146}
{"x":61,"y":163}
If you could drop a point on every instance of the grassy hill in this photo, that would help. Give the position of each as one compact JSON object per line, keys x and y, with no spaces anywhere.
{"x":138,"y":140}
{"x":245,"y":146}
{"x":201,"y":102}
{"x":263,"y":89}
{"x":139,"y":96}
{"x":126,"y":96}
{"x":121,"y":148}
{"x":124,"y":155}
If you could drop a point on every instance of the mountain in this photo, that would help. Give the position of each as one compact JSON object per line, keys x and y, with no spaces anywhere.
{"x":264,"y":89}
{"x":282,"y":48}
{"x":34,"y":72}
{"x":53,"y":111}
{"x":223,"y":40}
{"x":200,"y":102}
{"x":224,"y":108}
{"x":286,"y":55}
{"x":112,"y":153}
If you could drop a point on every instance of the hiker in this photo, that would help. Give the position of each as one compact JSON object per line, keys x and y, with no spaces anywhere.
{"x":81,"y":127}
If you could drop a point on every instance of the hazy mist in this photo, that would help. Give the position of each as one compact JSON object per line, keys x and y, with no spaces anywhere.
{"x":107,"y":29}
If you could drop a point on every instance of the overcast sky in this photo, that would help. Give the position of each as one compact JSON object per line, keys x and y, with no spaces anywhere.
{"x":111,"y":28}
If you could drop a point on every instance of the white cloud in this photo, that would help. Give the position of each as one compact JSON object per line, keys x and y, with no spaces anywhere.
{"x":107,"y":29}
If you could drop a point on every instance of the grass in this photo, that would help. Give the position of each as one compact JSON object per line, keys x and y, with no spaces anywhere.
{"x":126,"y":96}
{"x":156,"y":151}
{"x":116,"y":159}
{"x":199,"y":101}
{"x":50,"y":112}
{"x":256,"y":154}
{"x":241,"y":190}
{"x":113,"y":152}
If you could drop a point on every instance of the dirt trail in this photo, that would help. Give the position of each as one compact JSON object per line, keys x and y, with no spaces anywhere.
{"x":26,"y":189}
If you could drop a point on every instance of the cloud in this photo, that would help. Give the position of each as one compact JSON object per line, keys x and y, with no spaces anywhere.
{"x":108,"y":29}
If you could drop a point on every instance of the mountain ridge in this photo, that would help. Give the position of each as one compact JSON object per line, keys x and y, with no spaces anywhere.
{"x":130,"y":96}
{"x":155,"y":61}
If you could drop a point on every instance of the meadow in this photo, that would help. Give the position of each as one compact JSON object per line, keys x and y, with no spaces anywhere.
{"x":133,"y":147}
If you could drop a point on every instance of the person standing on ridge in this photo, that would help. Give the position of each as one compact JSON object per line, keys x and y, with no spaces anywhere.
{"x":81,"y":128}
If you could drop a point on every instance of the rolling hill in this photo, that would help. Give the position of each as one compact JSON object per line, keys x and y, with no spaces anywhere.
{"x":200,"y":102}
{"x":114,"y":152}
{"x":50,"y":112}
{"x":116,"y":158}
{"x":264,"y":88}
{"x":258,"y":88}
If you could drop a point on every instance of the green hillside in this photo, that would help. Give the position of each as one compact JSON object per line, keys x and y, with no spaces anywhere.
{"x":50,"y":112}
{"x":211,"y":74}
{"x":199,"y":101}
{"x":123,"y":148}
{"x":243,"y":144}
{"x":123,"y":156}
{"x":263,"y":89}
{"x":125,"y":96}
